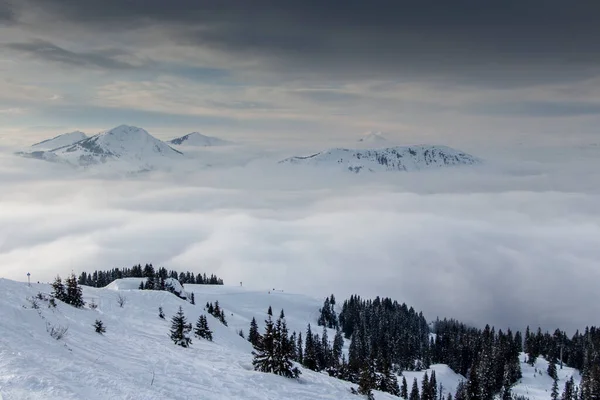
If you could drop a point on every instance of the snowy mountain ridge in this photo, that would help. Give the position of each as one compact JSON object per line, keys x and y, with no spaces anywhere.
{"x":65,"y":139}
{"x":399,"y":158}
{"x":198,"y":139}
{"x":133,"y":147}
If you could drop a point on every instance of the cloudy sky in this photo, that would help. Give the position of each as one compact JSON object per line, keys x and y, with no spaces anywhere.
{"x":453,"y":72}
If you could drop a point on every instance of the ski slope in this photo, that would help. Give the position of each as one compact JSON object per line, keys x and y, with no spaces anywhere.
{"x":122,"y":363}
{"x":135,"y":359}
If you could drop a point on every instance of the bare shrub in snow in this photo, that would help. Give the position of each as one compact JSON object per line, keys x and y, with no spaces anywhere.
{"x":57,"y":332}
{"x":121,"y":300}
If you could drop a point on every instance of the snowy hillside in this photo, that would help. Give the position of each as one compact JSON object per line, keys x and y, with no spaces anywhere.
{"x":129,"y":147}
{"x":373,"y":137}
{"x":198,"y":139}
{"x":135,"y":359}
{"x":66,"y":139}
{"x":387,"y":159}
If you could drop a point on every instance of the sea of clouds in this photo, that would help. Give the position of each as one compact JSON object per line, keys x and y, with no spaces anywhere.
{"x":510,"y":243}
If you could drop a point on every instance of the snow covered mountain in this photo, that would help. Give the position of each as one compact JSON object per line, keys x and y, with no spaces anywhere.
{"x":198,"y":139}
{"x":410,"y":158}
{"x":373,"y":137}
{"x":65,"y":139}
{"x":130,"y":147}
{"x":135,"y":358}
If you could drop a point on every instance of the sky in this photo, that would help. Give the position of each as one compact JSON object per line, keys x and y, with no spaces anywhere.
{"x":461,"y":72}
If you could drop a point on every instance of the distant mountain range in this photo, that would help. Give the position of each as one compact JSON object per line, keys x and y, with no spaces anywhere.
{"x":410,"y":158}
{"x":132,"y":149}
{"x":198,"y":139}
{"x":130,"y":146}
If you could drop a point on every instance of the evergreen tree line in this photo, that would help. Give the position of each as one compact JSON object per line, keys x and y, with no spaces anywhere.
{"x":103,"y":278}
{"x":386,"y":331}
{"x":69,"y":292}
{"x":216,"y":311}
{"x":327,"y":314}
{"x":181,"y":328}
{"x":274,"y":350}
{"x":488,"y":358}
{"x":577,"y":351}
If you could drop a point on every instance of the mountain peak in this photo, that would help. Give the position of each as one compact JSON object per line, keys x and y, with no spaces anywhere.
{"x":128,"y":144}
{"x":198,"y":139}
{"x":399,"y":158}
{"x":373,"y":136}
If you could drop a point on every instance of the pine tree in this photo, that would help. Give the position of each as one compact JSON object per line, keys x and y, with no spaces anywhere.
{"x":241,"y":333}
{"x":161,"y":314}
{"x":141,"y":287}
{"x":180,"y":329}
{"x":284,"y":350}
{"x":389,"y":382}
{"x":253,"y":335}
{"x":74,"y":294}
{"x":414,"y":393}
{"x":202,"y":330}
{"x":425,"y":393}
{"x":270,"y":311}
{"x":58,"y":290}
{"x":299,"y":352}
{"x":310,"y":353}
{"x":568,"y":393}
{"x":99,"y":327}
{"x":368,"y":380}
{"x":404,"y":389}
{"x":338,"y":345}
{"x":432,"y":387}
{"x":222,"y":318}
{"x":554,"y":394}
{"x":264,"y":354}
{"x":193,"y":299}
{"x":552,"y":369}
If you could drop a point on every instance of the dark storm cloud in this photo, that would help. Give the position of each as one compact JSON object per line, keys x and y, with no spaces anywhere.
{"x":497,"y":43}
{"x":50,"y":52}
{"x":6,"y":14}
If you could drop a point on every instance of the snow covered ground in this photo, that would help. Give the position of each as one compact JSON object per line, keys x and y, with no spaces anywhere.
{"x":135,"y":359}
{"x":136,"y":348}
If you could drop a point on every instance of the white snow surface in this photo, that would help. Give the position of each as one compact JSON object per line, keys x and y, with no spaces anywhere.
{"x":198,"y":139}
{"x":121,"y":363}
{"x":66,"y":139}
{"x":399,"y":158}
{"x":537,"y":384}
{"x":125,"y":147}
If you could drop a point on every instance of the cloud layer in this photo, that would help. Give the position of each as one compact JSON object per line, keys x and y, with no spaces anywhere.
{"x":508,"y":246}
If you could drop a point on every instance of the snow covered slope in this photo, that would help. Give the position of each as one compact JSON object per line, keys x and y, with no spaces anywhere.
{"x":126,"y":147}
{"x":198,"y":139}
{"x":66,"y":139}
{"x":399,"y":158}
{"x":135,"y":358}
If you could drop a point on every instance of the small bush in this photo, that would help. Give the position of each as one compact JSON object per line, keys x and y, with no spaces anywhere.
{"x":57,"y":332}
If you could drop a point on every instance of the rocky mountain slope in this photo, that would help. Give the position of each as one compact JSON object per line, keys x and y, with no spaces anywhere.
{"x":409,"y":158}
